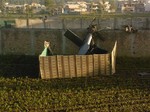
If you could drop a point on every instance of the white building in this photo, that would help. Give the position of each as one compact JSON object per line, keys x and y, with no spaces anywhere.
{"x":75,"y":7}
{"x":147,"y":6}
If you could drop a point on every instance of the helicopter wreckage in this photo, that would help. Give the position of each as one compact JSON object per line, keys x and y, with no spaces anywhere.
{"x":90,"y":60}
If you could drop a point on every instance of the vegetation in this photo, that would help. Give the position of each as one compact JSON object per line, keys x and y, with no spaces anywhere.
{"x":107,"y":15}
{"x":122,"y":92}
{"x":104,"y":94}
{"x":49,"y":3}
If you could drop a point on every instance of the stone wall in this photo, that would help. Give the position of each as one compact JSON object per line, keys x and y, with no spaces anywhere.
{"x":30,"y":41}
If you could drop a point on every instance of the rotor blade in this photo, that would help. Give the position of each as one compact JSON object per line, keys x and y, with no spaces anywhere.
{"x":93,"y":20}
{"x":73,"y":37}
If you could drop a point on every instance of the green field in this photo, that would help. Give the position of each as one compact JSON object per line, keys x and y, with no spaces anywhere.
{"x":125,"y":91}
{"x":117,"y":93}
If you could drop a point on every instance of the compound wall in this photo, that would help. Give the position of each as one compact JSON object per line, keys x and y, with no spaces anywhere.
{"x":30,"y":41}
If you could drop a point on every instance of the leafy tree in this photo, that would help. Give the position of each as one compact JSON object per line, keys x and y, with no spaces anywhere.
{"x":2,"y":2}
{"x":49,"y":3}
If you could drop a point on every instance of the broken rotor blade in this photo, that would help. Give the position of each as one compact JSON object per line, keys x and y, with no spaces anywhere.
{"x":73,"y":37}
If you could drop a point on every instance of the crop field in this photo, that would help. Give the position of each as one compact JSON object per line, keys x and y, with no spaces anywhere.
{"x":116,"y":93}
{"x":125,"y":91}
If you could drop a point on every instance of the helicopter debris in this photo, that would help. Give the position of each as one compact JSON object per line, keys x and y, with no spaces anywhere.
{"x":87,"y":46}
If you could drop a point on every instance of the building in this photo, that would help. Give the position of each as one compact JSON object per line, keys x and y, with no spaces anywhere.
{"x":75,"y":7}
{"x":139,"y":7}
{"x":19,"y":9}
{"x":127,"y":7}
{"x":21,"y":2}
{"x":147,"y":6}
{"x":133,"y":7}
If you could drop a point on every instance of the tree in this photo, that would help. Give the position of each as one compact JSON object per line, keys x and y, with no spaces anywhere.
{"x":28,"y":10}
{"x":2,"y":4}
{"x":51,"y":6}
{"x":49,"y":3}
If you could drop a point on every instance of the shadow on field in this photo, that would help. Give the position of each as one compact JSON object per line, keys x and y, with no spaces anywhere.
{"x":19,"y":66}
{"x":28,"y":66}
